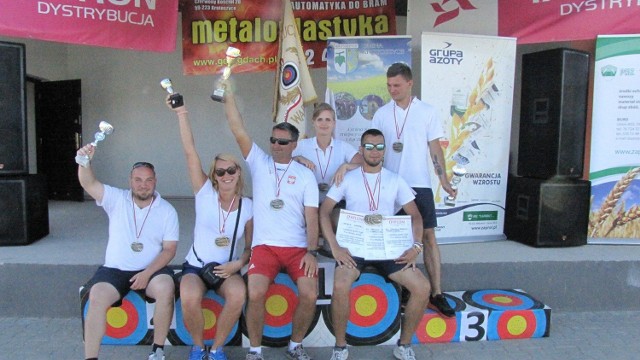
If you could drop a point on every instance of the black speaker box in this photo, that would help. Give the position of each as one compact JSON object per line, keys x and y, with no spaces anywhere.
{"x":13,"y":110}
{"x":547,"y":213}
{"x":24,"y":208}
{"x":553,"y":113}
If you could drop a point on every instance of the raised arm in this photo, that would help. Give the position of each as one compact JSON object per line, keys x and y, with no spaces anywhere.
{"x":437,"y":157}
{"x":236,"y":124}
{"x":356,"y":162}
{"x":194,"y":165}
{"x":87,"y":178}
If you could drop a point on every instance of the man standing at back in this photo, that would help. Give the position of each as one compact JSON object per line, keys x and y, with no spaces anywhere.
{"x":285,"y":213}
{"x":143,"y":238}
{"x":412,"y":131}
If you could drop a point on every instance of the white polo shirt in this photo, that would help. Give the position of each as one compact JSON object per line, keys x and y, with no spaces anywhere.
{"x":154,"y":224}
{"x":421,"y":126}
{"x":209,"y":217}
{"x":298,"y":188}
{"x":393,"y":193}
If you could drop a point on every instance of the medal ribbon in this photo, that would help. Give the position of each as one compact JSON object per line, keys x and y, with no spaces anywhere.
{"x":323,"y":174}
{"x":279,"y":179}
{"x":222,"y":223}
{"x":373,"y":204}
{"x":145,"y":217}
{"x":399,"y":131}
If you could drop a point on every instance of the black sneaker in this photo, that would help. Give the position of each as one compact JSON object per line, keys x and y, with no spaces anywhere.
{"x":442,"y":305}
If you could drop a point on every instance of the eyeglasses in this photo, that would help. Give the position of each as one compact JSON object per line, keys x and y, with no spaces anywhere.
{"x":143,"y":164}
{"x":231,"y":170}
{"x":370,"y":147}
{"x":280,"y":141}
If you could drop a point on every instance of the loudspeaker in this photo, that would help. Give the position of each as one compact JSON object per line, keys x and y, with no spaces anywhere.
{"x":553,"y":113}
{"x":13,"y":111}
{"x":24,"y":208}
{"x":547,"y":213}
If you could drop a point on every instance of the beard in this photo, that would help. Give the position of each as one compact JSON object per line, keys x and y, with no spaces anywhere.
{"x":143,"y":196}
{"x":373,"y":163}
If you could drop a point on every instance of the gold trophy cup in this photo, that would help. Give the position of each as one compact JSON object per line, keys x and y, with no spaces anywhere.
{"x":232,"y":58}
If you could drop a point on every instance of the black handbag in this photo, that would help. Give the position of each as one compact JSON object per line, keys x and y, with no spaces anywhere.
{"x":207,"y":274}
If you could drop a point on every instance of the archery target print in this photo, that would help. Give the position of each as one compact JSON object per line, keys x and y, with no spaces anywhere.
{"x":513,"y":314}
{"x":374,"y":315}
{"x":435,"y":328}
{"x":212,"y":305}
{"x":127,"y":324}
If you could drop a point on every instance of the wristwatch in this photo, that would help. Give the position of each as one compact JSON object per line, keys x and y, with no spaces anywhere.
{"x":313,"y":252}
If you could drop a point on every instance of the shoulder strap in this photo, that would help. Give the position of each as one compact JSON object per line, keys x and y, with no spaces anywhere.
{"x":235,"y":230}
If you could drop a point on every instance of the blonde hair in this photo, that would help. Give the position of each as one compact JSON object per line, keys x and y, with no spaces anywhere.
{"x":322,"y":107}
{"x":234,"y":160}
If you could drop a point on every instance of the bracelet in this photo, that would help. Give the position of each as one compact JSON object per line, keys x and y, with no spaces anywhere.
{"x":418,"y":247}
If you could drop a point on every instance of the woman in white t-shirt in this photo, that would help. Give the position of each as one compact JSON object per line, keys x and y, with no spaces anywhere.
{"x":223,"y":218}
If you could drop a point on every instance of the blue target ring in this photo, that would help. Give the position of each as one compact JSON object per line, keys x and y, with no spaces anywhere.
{"x":289,"y":76}
{"x":379,"y":316}
{"x":131,"y":325}
{"x":504,"y":300}
{"x":533,"y":324}
{"x":212,"y":303}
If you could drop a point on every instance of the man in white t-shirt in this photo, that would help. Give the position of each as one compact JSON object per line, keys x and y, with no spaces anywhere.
{"x":143,"y":238}
{"x":377,"y":192}
{"x":285,"y":217}
{"x":412,"y":130}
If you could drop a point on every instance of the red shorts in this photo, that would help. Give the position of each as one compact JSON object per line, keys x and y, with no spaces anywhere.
{"x":268,"y":260}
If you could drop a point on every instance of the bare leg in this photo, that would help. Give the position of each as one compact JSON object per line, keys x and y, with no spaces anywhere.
{"x":257,"y":289}
{"x":340,"y":308}
{"x":192,"y":291}
{"x":101,"y":297}
{"x":419,"y":288}
{"x":431,"y":256}
{"x":306,"y":309}
{"x":162,"y":289}
{"x":234,"y":293}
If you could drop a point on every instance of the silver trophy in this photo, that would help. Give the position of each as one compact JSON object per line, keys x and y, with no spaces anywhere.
{"x":458,"y":173}
{"x":176,"y":99}
{"x":232,"y":58}
{"x":105,"y":129}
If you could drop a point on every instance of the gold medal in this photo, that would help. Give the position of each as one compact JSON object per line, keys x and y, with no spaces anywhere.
{"x":277,"y":204}
{"x":222,"y":241}
{"x":397,"y":146}
{"x":323,"y":186}
{"x":137,"y":246}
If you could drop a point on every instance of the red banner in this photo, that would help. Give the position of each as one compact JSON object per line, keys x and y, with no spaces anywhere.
{"x":534,"y":21}
{"x":147,"y":25}
{"x":209,"y":27}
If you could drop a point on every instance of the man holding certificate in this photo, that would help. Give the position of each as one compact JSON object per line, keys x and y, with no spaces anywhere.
{"x":369,"y":235}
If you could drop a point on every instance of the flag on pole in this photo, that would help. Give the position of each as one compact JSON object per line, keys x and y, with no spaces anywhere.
{"x":294,"y":87}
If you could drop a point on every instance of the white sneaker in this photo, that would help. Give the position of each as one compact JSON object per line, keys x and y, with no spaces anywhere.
{"x":340,"y":354}
{"x":404,"y":353}
{"x":157,"y":355}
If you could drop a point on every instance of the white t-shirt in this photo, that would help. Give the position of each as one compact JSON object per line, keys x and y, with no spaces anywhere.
{"x":421,"y":126}
{"x":392,"y":194}
{"x":209,"y":215}
{"x":327,"y":162}
{"x":298,"y":188}
{"x":154,"y":224}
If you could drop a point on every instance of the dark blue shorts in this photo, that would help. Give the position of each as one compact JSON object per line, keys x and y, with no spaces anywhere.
{"x":120,"y":280}
{"x":426,"y":206}
{"x":385,"y":267}
{"x":190,"y":269}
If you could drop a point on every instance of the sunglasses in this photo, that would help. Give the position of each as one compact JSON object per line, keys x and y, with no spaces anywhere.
{"x":370,"y":147}
{"x":143,"y":164}
{"x":282,"y":142}
{"x":231,"y":170}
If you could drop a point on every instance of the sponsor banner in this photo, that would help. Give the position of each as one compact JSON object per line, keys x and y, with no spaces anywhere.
{"x":357,"y":79}
{"x":534,"y":21}
{"x":614,"y":215}
{"x":469,"y":79}
{"x":210,"y":26}
{"x":146,"y":25}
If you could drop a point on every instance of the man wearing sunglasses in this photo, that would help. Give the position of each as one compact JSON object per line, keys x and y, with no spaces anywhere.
{"x":412,"y":131}
{"x":143,"y":238}
{"x":375,"y":191}
{"x":285,"y":213}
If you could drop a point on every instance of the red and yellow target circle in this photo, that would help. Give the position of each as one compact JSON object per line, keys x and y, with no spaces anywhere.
{"x":434,"y":328}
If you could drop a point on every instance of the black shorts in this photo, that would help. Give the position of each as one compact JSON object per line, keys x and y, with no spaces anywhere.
{"x":120,"y":280}
{"x":426,"y":206}
{"x":385,"y":267}
{"x":190,"y":269}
